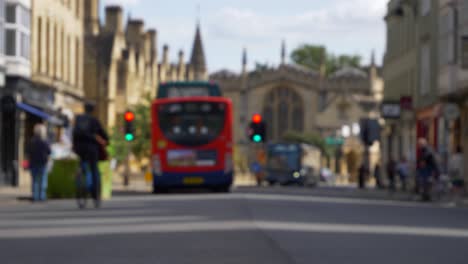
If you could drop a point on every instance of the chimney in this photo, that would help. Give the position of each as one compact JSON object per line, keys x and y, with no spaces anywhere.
{"x":135,"y":29}
{"x":165,"y":55}
{"x":181,"y":66}
{"x":91,"y":17}
{"x":152,"y":35}
{"x":114,"y":19}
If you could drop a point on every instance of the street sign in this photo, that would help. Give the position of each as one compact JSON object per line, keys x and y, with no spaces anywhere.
{"x":451,"y":111}
{"x":391,"y":110}
{"x":406,"y":103}
{"x":334,"y":141}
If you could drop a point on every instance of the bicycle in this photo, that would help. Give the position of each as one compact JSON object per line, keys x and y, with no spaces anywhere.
{"x":85,"y":186}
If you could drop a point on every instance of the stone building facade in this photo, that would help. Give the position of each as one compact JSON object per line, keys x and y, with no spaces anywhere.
{"x":122,"y":62}
{"x":57,"y":51}
{"x":294,"y":98}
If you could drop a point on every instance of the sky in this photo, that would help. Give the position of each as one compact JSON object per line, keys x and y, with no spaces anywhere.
{"x":260,"y":26}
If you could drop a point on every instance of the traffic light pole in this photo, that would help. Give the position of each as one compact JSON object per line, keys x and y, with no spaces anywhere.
{"x":127,"y":166}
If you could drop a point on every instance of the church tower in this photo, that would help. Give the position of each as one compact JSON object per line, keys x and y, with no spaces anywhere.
{"x":197,"y":60}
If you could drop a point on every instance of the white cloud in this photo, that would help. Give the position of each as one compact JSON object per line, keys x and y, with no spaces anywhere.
{"x":354,"y":26}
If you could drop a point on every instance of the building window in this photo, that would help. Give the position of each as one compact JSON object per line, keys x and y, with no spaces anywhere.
{"x":78,"y":8}
{"x":283,"y":110}
{"x":2,"y":37}
{"x":25,"y":46}
{"x":47,"y":46}
{"x":425,"y":7}
{"x":77,"y":61}
{"x":39,"y":44}
{"x":69,"y":58}
{"x":25,"y":17}
{"x":10,"y":42}
{"x":62,"y":54}
{"x":425,"y":69}
{"x":56,"y":50}
{"x":11,"y":13}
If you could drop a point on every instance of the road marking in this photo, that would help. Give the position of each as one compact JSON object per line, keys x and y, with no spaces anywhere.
{"x":276,"y":197}
{"x":225,"y":226}
{"x":97,"y":221}
{"x":77,"y":213}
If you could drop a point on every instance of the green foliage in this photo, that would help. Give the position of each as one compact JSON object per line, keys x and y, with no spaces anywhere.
{"x":310,"y":138}
{"x":141,"y":145}
{"x":118,"y":146}
{"x":314,"y":56}
{"x":261,"y":66}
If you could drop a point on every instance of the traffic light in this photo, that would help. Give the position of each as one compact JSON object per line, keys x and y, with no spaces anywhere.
{"x":129,"y":126}
{"x":257,"y":130}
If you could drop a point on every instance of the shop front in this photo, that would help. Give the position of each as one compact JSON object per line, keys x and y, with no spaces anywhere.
{"x":23,"y":106}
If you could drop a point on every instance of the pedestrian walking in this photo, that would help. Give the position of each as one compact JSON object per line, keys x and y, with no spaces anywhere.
{"x":391,"y":171}
{"x":403,"y":171}
{"x":425,"y":176}
{"x":89,"y":141}
{"x":378,"y":179}
{"x":362,"y":175}
{"x":39,"y":152}
{"x":456,"y":173}
{"x":430,"y":169}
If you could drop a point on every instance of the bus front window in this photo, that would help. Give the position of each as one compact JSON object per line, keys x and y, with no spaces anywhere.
{"x":192,"y":124}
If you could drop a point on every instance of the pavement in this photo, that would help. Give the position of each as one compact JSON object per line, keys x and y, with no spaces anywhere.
{"x":249,"y":225}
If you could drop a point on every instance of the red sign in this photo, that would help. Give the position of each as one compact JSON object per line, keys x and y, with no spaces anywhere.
{"x":406,"y":103}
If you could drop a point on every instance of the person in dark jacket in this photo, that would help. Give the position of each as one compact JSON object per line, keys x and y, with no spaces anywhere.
{"x":88,"y":138}
{"x":391,"y":171}
{"x":39,"y":152}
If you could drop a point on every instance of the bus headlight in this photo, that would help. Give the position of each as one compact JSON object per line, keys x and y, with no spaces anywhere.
{"x":297,"y":174}
{"x":156,"y":164}
{"x":228,"y":166}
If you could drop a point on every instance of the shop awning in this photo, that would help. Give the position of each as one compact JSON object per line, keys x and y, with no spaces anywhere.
{"x":34,"y":111}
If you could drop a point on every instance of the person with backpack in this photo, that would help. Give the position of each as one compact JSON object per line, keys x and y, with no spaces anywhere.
{"x":89,"y":138}
{"x":39,"y":152}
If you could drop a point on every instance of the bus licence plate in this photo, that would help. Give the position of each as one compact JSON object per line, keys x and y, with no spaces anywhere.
{"x":193,"y":180}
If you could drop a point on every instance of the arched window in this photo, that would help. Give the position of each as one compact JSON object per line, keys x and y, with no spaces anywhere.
{"x":283,"y":111}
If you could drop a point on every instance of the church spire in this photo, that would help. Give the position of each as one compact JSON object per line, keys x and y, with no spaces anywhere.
{"x":197,"y":60}
{"x":283,"y":52}
{"x":244,"y":58}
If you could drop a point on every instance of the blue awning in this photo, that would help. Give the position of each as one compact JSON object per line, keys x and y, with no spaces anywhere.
{"x":33,"y":110}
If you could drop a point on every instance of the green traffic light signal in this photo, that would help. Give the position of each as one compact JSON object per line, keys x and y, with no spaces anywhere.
{"x":129,"y":137}
{"x":257,"y":138}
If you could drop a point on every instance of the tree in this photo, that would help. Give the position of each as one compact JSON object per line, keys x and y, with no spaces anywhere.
{"x":314,"y":56}
{"x":310,"y":56}
{"x":310,"y":138}
{"x":261,"y":66}
{"x":141,"y":145}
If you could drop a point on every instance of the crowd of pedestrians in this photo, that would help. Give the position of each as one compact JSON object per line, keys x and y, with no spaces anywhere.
{"x":428,"y":182}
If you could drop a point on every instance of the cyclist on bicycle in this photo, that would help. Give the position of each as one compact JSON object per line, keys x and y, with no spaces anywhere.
{"x":88,"y":137}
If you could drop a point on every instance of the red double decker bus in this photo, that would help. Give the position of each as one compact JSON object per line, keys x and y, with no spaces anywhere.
{"x":192,"y":143}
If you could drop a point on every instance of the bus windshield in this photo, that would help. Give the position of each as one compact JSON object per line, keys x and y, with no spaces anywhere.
{"x":192,"y":123}
{"x":284,"y":157}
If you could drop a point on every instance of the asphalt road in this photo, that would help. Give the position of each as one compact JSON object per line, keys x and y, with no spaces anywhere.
{"x":247,"y":226}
